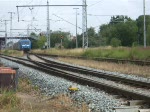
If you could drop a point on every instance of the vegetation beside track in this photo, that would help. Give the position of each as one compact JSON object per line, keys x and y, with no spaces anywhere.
{"x":126,"y":68}
{"x":133,"y":53}
{"x":29,"y":99}
{"x":12,"y":52}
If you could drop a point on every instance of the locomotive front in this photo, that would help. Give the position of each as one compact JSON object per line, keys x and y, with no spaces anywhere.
{"x":25,"y":45}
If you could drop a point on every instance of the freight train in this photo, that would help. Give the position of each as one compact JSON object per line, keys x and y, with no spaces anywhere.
{"x":23,"y":45}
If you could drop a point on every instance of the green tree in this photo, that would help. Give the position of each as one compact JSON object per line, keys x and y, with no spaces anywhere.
{"x":41,"y":41}
{"x":34,"y":41}
{"x":140,"y":25}
{"x":56,"y":38}
{"x":106,"y":33}
{"x":119,"y":18}
{"x":115,"y":42}
{"x":94,"y":39}
{"x":125,"y":31}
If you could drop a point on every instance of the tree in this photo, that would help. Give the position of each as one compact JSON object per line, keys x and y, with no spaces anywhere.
{"x":125,"y":31}
{"x":119,"y":18}
{"x":94,"y":40}
{"x":140,"y":25}
{"x":106,"y":33}
{"x":41,"y":41}
{"x":56,"y":38}
{"x":34,"y":42}
{"x":115,"y":42}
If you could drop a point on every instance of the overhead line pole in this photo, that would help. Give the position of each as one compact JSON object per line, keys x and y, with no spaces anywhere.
{"x":144,"y":24}
{"x":84,"y":25}
{"x":6,"y":33}
{"x":11,"y":22}
{"x":48,"y":26}
{"x":76,"y":27}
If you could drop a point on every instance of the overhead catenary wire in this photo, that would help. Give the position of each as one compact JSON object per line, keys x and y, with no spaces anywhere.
{"x":67,"y":21}
{"x":95,"y":3}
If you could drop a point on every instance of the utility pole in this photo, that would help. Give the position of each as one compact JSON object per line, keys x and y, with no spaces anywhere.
{"x":32,"y":16}
{"x":28,"y":30}
{"x":11,"y":22}
{"x":6,"y":33}
{"x":76,"y":26}
{"x":144,"y":24}
{"x":84,"y":25}
{"x":48,"y":26}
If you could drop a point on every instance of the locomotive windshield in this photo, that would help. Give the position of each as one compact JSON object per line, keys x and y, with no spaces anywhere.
{"x":25,"y":42}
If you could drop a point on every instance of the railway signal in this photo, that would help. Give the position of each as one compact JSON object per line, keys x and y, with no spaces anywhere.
{"x":61,"y":37}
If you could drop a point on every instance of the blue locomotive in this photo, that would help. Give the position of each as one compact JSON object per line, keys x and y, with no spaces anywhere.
{"x":24,"y":45}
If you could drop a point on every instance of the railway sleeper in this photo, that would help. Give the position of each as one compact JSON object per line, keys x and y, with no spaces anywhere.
{"x":136,"y":102}
{"x":144,"y":110}
{"x":126,"y":109}
{"x":129,"y":109}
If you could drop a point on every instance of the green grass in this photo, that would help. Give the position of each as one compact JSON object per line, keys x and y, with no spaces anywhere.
{"x":105,"y":52}
{"x":119,"y":53}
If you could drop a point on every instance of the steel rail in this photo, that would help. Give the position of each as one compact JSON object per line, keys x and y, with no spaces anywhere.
{"x":90,"y":72}
{"x":138,"y":62}
{"x":84,"y":81}
{"x":94,"y":73}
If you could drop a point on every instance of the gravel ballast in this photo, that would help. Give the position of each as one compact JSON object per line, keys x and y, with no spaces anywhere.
{"x":98,"y":100}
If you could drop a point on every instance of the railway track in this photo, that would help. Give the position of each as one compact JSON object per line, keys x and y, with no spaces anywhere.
{"x":137,"y":62}
{"x":62,"y":71}
{"x":94,"y":73}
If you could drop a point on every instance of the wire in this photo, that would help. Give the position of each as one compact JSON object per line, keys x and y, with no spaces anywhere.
{"x":66,"y":21}
{"x":95,"y":3}
{"x":38,"y":9}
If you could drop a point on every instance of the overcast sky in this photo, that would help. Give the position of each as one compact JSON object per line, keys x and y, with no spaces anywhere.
{"x":131,"y":8}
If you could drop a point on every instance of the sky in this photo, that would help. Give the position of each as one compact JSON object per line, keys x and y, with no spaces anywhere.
{"x":96,"y":10}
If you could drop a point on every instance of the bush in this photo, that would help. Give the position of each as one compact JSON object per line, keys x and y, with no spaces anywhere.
{"x":115,"y":42}
{"x":134,"y":44}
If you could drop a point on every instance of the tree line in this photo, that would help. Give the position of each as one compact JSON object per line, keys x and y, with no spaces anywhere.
{"x":120,"y":31}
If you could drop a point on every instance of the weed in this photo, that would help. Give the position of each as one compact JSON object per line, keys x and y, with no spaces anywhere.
{"x":12,"y":52}
{"x":9,"y":99}
{"x":25,"y":86}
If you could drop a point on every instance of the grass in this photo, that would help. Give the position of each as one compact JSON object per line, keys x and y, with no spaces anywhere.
{"x":29,"y":99}
{"x":136,"y":53}
{"x":9,"y":100}
{"x":69,"y":52}
{"x":127,"y":68}
{"x":25,"y":86}
{"x":103,"y":52}
{"x":119,"y":53}
{"x":12,"y":52}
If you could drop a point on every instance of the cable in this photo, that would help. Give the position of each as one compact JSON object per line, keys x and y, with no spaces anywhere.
{"x":66,"y":21}
{"x":95,"y":3}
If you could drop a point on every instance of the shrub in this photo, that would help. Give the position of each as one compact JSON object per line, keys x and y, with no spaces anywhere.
{"x":115,"y":42}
